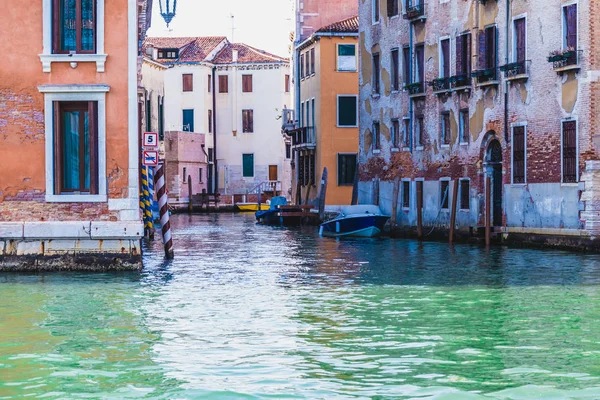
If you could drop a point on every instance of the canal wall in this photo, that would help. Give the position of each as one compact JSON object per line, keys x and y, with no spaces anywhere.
{"x":75,"y":245}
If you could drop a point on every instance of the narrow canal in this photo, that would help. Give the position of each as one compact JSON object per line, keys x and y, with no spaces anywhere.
{"x":248,"y":311}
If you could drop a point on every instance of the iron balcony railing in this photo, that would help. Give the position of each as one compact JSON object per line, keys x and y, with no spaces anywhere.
{"x":303,"y":137}
{"x":566,"y":58}
{"x":439,"y":84}
{"x":485,"y":75}
{"x":460,"y":81}
{"x":516,"y":70}
{"x":415,"y":88}
{"x":288,"y":119}
{"x":414,"y":10}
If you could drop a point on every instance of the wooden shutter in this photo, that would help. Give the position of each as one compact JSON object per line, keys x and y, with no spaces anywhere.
{"x":490,"y":36}
{"x":223,"y":84}
{"x":287,"y":83}
{"x":569,"y":150}
{"x":481,"y":48}
{"x":406,"y":60}
{"x":467,"y":53}
{"x":459,"y":55}
{"x":392,"y":8}
{"x":464,"y":194}
{"x":188,"y":82}
{"x":246,"y":83}
{"x":519,"y":154}
{"x":446,"y":58}
{"x":395,"y":70}
{"x":209,"y":85}
{"x":571,"y":33}
{"x":520,"y":33}
{"x":93,"y":132}
{"x":421,"y":62}
{"x":58,"y":164}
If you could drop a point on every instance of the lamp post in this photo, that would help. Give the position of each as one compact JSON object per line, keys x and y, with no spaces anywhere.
{"x":165,"y":10}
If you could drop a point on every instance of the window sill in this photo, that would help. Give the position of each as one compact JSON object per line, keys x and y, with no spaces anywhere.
{"x":516,"y":78}
{"x":419,"y":147}
{"x":566,"y":68}
{"x":375,"y":95}
{"x":488,"y":83}
{"x":376,"y":151}
{"x":464,"y":143}
{"x":395,"y":150}
{"x":445,"y":146}
{"x":405,"y":208}
{"x":406,"y":149}
{"x":48,"y":59}
{"x":76,"y":198}
{"x":347,"y":70}
{"x":517,"y":185}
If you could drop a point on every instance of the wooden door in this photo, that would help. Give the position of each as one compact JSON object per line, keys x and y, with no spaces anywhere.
{"x":272,"y":172}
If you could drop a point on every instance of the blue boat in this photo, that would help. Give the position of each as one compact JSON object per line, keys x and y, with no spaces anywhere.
{"x":360,"y":220}
{"x":275,"y":215}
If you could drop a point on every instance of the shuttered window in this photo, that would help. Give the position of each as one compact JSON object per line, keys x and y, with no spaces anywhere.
{"x":248,"y":121}
{"x":375,"y":78}
{"x":464,"y":194}
{"x":405,"y":194}
{"x":420,"y":63}
{"x":223,"y":84}
{"x":248,"y":165}
{"x":487,"y":48}
{"x":518,"y":153}
{"x":307,"y":64}
{"x":569,"y":152}
{"x":520,"y":41}
{"x":395,"y":70}
{"x":463,"y":54}
{"x":570,"y":31}
{"x":445,"y":67}
{"x":392,"y":8}
{"x":287,"y":83}
{"x":247,"y":83}
{"x":188,"y":82}
{"x":406,"y":65}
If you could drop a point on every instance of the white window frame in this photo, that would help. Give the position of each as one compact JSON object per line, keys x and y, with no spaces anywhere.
{"x":564,"y":24}
{"x":512,"y":153}
{"x":54,"y":93}
{"x":337,"y":107}
{"x":337,"y":57}
{"x":410,"y":190}
{"x":445,"y":179}
{"x":47,"y":58}
{"x":375,"y":3}
{"x":514,"y":36}
{"x":441,"y":57}
{"x":562,"y":121}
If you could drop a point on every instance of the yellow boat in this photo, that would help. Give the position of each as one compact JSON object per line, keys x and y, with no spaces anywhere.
{"x":252,"y":206}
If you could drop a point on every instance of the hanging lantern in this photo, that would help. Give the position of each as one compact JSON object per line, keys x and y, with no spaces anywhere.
{"x":166,"y":11}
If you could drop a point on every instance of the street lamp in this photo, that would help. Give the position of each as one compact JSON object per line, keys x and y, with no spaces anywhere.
{"x":165,"y":10}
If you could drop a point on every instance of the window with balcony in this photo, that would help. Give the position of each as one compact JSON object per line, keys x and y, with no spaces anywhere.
{"x":417,"y":86}
{"x":347,"y":111}
{"x":346,"y":169}
{"x":488,"y":55}
{"x":346,"y":57}
{"x":462,"y":62}
{"x":441,"y":84}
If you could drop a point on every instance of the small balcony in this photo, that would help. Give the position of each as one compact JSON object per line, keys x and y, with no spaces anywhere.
{"x":486,"y":77}
{"x":415,"y":11}
{"x":517,"y":71}
{"x":415,"y":89}
{"x":566,"y":60}
{"x":288,"y":120}
{"x":440,"y":85}
{"x":460,"y":82}
{"x":303,"y":138}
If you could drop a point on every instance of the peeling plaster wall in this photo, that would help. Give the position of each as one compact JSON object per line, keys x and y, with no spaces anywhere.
{"x":541,"y":102}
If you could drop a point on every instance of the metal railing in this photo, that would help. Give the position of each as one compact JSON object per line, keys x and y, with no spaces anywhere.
{"x":288,"y":119}
{"x":415,"y":88}
{"x":304,"y":136}
{"x":485,"y":75}
{"x":414,"y":10}
{"x":265,"y":186}
{"x":571,"y":58}
{"x":516,"y":69}
{"x":439,"y":84}
{"x":458,"y":81}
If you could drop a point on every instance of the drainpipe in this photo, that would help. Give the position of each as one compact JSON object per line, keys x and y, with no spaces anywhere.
{"x":297,"y":114}
{"x":214,"y":115}
{"x":410,"y":79}
{"x":506,"y":135}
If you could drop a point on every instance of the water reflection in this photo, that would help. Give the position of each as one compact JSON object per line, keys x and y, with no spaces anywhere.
{"x":247,"y":311}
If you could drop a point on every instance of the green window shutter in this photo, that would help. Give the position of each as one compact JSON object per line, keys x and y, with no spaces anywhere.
{"x":248,"y":165}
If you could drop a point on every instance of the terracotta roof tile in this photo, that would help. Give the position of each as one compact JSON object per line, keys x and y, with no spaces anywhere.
{"x":191,"y":49}
{"x":246,"y":54}
{"x":345,"y":25}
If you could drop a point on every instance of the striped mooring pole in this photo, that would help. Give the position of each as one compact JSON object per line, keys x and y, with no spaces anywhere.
{"x":148,"y":225}
{"x":150,"y":202}
{"x":159,"y":181}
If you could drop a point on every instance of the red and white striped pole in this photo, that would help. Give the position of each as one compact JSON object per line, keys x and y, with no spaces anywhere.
{"x":159,"y":183}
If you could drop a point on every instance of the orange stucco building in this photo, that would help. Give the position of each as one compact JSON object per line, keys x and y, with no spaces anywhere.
{"x":326,"y":134}
{"x":69,"y":135}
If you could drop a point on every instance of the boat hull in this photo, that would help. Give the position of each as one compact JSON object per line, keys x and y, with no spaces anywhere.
{"x":251,"y":206}
{"x":359,"y":226}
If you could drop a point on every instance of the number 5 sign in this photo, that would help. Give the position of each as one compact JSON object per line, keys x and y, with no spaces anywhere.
{"x":150,"y":139}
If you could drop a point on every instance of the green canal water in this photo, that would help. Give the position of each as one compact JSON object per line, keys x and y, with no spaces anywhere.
{"x":247,"y":311}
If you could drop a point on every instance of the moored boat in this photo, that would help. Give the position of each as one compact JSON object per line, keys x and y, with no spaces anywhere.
{"x":359,"y":220}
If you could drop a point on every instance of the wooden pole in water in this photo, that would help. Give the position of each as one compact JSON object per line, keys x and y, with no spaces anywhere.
{"x":395,"y":195}
{"x":190,"y":205}
{"x":420,"y":210}
{"x":488,"y":211}
{"x":310,"y":183}
{"x":323,"y":194}
{"x":298,"y":193}
{"x":454,"y":206}
{"x":376,"y":191}
{"x":354,"y":200}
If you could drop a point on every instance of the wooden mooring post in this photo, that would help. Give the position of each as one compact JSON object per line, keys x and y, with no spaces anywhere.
{"x":310,"y":183}
{"x":190,"y":205}
{"x":376,"y":191}
{"x":454,"y":207}
{"x":323,"y":194}
{"x":420,"y":209}
{"x":488,"y":209}
{"x":354,"y":200}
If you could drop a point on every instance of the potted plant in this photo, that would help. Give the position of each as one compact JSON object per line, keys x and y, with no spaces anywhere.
{"x":561,"y":54}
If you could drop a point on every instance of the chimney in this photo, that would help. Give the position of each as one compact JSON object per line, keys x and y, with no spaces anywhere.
{"x":235,"y":56}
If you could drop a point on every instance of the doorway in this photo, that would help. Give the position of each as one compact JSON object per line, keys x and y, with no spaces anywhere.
{"x":494,"y":169}
{"x":272,"y":172}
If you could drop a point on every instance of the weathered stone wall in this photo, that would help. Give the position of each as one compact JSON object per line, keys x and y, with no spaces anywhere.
{"x":541,"y":102}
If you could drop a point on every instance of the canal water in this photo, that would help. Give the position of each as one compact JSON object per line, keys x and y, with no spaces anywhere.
{"x":247,"y":311}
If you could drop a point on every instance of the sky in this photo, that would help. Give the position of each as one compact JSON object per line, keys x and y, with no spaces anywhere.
{"x":265,"y":24}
